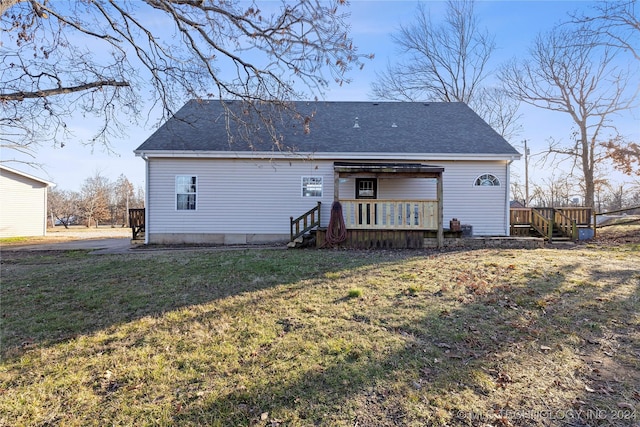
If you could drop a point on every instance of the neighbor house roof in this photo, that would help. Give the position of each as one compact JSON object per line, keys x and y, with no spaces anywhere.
{"x":440,"y":129}
{"x":26,"y":175}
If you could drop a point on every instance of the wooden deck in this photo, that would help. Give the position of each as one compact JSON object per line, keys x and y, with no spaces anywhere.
{"x":377,"y":239}
{"x":374,"y":224}
{"x":390,"y":214}
{"x":387,"y":224}
{"x":136,"y":222}
{"x":550,"y":223}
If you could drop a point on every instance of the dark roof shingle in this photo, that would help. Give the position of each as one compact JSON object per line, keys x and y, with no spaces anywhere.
{"x":384,"y":127}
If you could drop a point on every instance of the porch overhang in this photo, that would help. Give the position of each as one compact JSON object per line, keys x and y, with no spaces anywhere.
{"x":394,"y":170}
{"x":401,"y":170}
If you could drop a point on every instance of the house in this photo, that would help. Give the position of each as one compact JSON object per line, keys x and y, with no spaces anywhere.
{"x":394,"y":166}
{"x":23,"y":204}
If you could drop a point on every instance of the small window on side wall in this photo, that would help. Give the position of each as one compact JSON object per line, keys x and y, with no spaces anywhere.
{"x":311,"y":186}
{"x":487,"y":180}
{"x":186,"y":192}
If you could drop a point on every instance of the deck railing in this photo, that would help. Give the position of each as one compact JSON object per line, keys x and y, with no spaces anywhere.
{"x":305,"y":222}
{"x":581,"y":215}
{"x":540,"y":222}
{"x":136,"y":222}
{"x":566,"y":220}
{"x":520,"y":216}
{"x":565,"y":224}
{"x":390,"y":214}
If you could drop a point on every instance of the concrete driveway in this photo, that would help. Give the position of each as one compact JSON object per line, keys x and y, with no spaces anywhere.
{"x":111,"y":241}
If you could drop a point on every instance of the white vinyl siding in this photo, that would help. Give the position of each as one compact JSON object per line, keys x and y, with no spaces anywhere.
{"x":235,"y":196}
{"x":483,"y":208}
{"x":23,"y":208}
{"x":257,"y":197}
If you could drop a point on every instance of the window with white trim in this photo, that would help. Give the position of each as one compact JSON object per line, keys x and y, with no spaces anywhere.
{"x":366,"y":188}
{"x":186,"y":192}
{"x":487,"y":180}
{"x":311,"y":186}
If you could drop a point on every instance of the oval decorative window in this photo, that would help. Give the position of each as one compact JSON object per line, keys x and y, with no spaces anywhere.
{"x":487,"y":180}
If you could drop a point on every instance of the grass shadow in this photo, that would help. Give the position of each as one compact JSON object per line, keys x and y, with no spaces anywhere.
{"x":53,"y":296}
{"x":523,"y":338}
{"x":477,"y":349}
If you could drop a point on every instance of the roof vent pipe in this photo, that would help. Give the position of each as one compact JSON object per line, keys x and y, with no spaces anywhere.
{"x":356,"y":125}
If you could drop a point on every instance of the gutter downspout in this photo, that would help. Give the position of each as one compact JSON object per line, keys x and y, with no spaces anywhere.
{"x":46,"y":208}
{"x":146,"y":197}
{"x":507,"y":201}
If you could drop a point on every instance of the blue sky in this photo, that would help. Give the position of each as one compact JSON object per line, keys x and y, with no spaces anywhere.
{"x":513,"y":23}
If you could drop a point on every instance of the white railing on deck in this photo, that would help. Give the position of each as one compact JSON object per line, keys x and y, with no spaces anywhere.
{"x":391,"y":214}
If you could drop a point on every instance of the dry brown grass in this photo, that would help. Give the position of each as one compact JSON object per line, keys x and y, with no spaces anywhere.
{"x":469,"y":338}
{"x":74,"y":232}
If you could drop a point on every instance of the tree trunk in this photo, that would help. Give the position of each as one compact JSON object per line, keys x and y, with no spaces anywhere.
{"x":587,"y":157}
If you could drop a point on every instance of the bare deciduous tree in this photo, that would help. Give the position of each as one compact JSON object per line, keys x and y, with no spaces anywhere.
{"x":498,"y":109}
{"x":613,"y":23}
{"x":63,"y":206}
{"x":104,"y":58}
{"x":95,"y":199}
{"x":616,"y":24}
{"x":554,"y":191}
{"x":569,"y":72}
{"x":123,"y":198}
{"x":447,"y":62}
{"x":444,"y":62}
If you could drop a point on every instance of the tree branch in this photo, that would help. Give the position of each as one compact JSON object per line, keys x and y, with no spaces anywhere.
{"x":44,"y":93}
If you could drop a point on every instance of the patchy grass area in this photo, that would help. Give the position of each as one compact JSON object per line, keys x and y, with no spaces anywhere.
{"x":74,"y":232}
{"x":332,"y":338}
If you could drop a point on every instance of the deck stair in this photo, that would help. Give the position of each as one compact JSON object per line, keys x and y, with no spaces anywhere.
{"x":303,"y":228}
{"x":136,"y":222}
{"x":553,"y":224}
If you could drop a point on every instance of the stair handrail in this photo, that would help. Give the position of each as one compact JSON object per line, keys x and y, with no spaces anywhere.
{"x":136,"y":221}
{"x":309,"y":219}
{"x":541,"y":224}
{"x":566,"y":225}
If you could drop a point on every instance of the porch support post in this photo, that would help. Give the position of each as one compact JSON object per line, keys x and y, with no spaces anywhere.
{"x":336,"y":186}
{"x":440,"y":199}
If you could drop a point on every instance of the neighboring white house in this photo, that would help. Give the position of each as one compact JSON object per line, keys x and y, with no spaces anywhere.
{"x":209,"y":182}
{"x":23,"y":204}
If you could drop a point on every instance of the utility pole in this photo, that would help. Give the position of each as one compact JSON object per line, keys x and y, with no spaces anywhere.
{"x":526,"y":174}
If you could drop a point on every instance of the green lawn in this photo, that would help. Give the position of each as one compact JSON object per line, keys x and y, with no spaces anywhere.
{"x":322,"y":337}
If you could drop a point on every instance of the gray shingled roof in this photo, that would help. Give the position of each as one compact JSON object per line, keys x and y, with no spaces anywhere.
{"x":385,"y":127}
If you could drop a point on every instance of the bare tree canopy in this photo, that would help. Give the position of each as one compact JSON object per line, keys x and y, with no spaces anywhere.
{"x":569,"y":72}
{"x":447,"y":62}
{"x":63,"y":206}
{"x":107,"y":58}
{"x":614,"y":23}
{"x":444,"y":62}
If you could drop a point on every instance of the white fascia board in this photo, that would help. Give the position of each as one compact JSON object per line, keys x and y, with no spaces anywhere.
{"x":26,"y":175}
{"x":270,"y":155}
